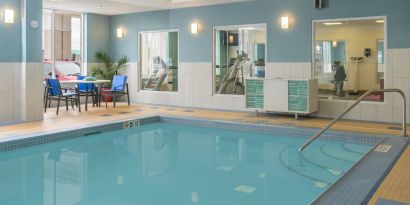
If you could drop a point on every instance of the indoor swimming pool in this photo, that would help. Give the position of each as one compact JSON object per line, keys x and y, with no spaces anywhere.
{"x":166,"y":163}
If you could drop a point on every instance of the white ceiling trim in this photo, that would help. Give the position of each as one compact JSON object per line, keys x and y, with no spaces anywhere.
{"x":115,"y":7}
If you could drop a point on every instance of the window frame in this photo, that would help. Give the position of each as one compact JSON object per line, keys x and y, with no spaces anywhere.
{"x":139,"y":64}
{"x":313,"y":41}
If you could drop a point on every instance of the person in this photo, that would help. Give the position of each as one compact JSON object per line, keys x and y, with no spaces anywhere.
{"x":339,"y":78}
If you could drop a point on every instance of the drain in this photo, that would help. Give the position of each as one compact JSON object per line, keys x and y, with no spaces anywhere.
{"x":106,"y":115}
{"x":124,"y":113}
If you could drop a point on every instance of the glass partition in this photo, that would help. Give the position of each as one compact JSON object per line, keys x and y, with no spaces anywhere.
{"x":239,"y":52}
{"x":62,"y":44}
{"x":348,"y":58}
{"x":159,"y":61}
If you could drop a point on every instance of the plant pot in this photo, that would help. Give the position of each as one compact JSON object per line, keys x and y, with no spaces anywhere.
{"x":106,"y":97}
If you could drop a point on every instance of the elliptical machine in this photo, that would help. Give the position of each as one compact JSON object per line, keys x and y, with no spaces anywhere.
{"x":233,"y":78}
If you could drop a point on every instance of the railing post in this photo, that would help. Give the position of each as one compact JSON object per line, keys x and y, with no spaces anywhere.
{"x":404,"y":132}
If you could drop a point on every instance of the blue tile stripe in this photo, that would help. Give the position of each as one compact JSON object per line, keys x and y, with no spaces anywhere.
{"x":18,"y":141}
{"x":331,"y":135}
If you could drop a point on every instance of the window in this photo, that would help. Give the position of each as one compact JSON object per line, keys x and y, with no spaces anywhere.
{"x":159,"y":61}
{"x":380,"y":61}
{"x":239,"y":52}
{"x":348,"y":58}
{"x":62,"y":44}
{"x":328,"y":52}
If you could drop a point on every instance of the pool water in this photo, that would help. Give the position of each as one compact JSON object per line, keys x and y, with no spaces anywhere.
{"x":161,"y":164}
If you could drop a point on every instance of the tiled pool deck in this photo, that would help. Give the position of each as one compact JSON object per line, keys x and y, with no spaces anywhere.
{"x":395,"y":189}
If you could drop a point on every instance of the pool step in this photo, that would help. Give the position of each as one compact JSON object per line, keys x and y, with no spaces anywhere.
{"x":358,"y":149}
{"x":318,"y":157}
{"x":340,"y":154}
{"x":294,"y":162}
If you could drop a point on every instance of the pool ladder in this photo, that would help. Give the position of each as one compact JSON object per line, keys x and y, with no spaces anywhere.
{"x":391,"y":90}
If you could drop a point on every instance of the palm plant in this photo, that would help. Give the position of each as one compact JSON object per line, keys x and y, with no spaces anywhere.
{"x":107,"y":67}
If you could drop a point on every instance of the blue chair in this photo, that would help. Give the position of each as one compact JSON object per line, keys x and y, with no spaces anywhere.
{"x":119,"y":88}
{"x":86,"y":90}
{"x":55,"y":92}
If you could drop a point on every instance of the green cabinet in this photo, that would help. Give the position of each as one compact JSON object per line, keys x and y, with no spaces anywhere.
{"x":254,"y":94}
{"x":299,"y":96}
{"x":298,"y":93}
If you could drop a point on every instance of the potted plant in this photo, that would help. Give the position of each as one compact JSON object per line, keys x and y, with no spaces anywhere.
{"x":106,"y":69}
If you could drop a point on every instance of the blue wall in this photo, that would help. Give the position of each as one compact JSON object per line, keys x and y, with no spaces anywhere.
{"x":97,"y":31}
{"x":10,"y":34}
{"x":18,"y":41}
{"x":132,"y":24}
{"x":292,"y":45}
{"x":32,"y":38}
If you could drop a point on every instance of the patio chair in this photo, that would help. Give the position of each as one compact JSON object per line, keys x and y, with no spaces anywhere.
{"x":119,"y":88}
{"x":86,"y":90}
{"x":55,"y":92}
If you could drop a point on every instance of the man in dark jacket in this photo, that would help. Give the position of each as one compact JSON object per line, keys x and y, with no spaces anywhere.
{"x":339,"y":78}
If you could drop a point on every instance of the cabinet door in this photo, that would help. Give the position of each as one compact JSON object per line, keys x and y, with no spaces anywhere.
{"x":298,"y":96}
{"x":254,"y":94}
{"x":276,"y":95}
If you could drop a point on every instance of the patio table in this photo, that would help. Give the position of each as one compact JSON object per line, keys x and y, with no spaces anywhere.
{"x":97,"y":83}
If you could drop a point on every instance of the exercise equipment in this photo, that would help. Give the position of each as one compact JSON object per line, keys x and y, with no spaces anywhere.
{"x":158,"y":75}
{"x":233,"y":79}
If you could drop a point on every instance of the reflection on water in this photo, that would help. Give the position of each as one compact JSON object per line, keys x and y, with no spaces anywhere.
{"x":167,"y":164}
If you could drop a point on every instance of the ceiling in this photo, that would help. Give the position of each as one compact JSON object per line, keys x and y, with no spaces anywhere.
{"x":114,"y":7}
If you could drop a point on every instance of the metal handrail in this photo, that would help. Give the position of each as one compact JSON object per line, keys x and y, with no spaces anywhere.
{"x":391,"y":90}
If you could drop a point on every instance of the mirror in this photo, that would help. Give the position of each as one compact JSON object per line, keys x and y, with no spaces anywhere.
{"x":239,"y":53}
{"x":159,"y":61}
{"x":348,"y":58}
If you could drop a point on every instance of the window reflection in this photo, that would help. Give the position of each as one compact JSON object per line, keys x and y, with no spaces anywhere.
{"x":349,"y":58}
{"x":239,"y":53}
{"x":159,"y":61}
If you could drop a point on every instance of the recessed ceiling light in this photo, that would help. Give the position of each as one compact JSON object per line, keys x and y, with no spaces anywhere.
{"x":55,"y":0}
{"x":100,"y":7}
{"x":333,"y":23}
{"x":379,"y":21}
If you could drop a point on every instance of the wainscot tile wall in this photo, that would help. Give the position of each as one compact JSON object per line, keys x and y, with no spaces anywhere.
{"x":21,"y":92}
{"x":195,"y":89}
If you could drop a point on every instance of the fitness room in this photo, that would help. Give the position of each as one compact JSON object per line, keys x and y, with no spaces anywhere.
{"x":348,"y":57}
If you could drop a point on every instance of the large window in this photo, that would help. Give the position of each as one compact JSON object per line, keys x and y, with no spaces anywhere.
{"x":159,"y":61}
{"x":239,"y":53}
{"x":62,"y":44}
{"x":349,"y":58}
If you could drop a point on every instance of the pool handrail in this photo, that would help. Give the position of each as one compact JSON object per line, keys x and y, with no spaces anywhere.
{"x":389,"y":90}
